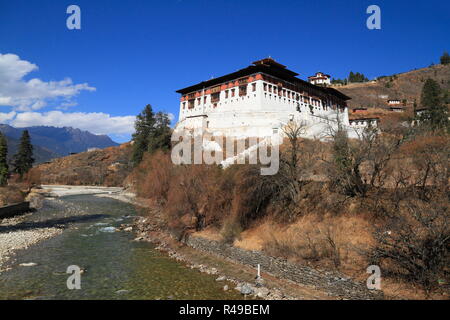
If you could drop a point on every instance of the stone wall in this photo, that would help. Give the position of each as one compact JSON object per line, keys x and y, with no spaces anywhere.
{"x":334,"y":283}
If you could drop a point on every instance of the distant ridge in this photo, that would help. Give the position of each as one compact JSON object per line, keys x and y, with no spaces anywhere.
{"x":53,"y":142}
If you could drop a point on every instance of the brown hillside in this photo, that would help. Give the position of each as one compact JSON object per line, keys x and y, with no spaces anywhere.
{"x":107,"y":167}
{"x":400,"y":86}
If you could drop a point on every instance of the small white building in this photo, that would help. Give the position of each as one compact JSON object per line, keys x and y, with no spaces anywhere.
{"x":259,"y":101}
{"x":320,"y":79}
{"x":394,"y":102}
{"x":361,"y":123}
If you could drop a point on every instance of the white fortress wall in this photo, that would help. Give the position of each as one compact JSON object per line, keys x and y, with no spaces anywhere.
{"x":269,"y":103}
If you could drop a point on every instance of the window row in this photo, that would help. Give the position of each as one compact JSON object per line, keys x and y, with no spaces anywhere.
{"x":215,"y":97}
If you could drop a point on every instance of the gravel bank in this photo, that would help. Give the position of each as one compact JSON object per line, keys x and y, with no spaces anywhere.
{"x":13,"y":238}
{"x":61,"y":190}
{"x":24,"y":231}
{"x":20,"y":233}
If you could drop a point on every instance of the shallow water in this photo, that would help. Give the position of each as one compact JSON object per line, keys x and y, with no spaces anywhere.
{"x":115,"y":266}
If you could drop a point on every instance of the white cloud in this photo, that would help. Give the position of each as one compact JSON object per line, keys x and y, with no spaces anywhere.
{"x":24,"y":98}
{"x":33,"y":94}
{"x":95,"y":122}
{"x":5,"y":117}
{"x":67,"y":105}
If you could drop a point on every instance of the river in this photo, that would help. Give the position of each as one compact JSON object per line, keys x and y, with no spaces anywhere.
{"x":115,"y":266}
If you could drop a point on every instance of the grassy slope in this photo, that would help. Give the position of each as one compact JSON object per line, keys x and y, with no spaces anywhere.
{"x":406,"y":85}
{"x":107,"y":167}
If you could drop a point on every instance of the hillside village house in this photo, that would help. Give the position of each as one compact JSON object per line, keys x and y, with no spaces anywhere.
{"x":258,"y":101}
{"x":320,"y":78}
{"x":394,"y":102}
{"x":363,"y":122}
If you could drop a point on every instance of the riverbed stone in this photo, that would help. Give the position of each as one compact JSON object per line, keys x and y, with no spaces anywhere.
{"x":262,"y":292}
{"x":108,"y":229}
{"x":123,"y":291}
{"x":246,"y":289}
{"x":28,"y":264}
{"x":259,"y":282}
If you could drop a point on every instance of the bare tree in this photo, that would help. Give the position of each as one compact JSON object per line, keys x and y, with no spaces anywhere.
{"x":415,"y":243}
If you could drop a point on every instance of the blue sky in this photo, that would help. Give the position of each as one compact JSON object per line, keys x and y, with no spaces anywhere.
{"x":131,"y":53}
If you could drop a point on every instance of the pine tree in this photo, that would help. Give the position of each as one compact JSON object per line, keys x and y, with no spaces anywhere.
{"x":159,"y":138}
{"x":445,"y":58}
{"x":152,"y":133}
{"x":351,"y":77}
{"x":23,"y":159}
{"x":4,"y":169}
{"x":436,"y":114}
{"x":357,"y":77}
{"x":145,"y":121}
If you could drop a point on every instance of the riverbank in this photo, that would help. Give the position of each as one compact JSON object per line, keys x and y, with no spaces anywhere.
{"x":67,"y":190}
{"x":114,"y":267}
{"x":13,"y":237}
{"x":281,"y":280}
{"x":17,"y":234}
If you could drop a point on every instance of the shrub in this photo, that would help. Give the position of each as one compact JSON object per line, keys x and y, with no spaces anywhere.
{"x":231,"y":230}
{"x":415,"y":243}
{"x":445,"y":58}
{"x":153,"y":176}
{"x":11,"y":195}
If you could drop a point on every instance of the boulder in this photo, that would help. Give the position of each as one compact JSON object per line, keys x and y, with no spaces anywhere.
{"x":262,"y":292}
{"x":246,"y":289}
{"x":36,"y":200}
{"x":221,"y":278}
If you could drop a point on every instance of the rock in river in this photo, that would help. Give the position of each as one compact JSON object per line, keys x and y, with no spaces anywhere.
{"x":29,"y":264}
{"x":107,"y":229}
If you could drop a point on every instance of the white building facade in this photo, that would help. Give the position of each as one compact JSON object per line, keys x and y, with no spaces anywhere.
{"x":320,"y":78}
{"x":259,"y":101}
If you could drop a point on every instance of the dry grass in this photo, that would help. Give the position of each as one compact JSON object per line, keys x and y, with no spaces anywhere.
{"x":406,"y":85}
{"x":292,"y":215}
{"x":107,"y":167}
{"x":327,"y":242}
{"x":307,"y":242}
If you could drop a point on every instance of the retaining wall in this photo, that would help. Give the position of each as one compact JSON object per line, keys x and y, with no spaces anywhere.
{"x":14,"y":210}
{"x":334,"y":283}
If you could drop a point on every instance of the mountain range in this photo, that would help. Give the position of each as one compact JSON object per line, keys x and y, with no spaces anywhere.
{"x":54,"y":142}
